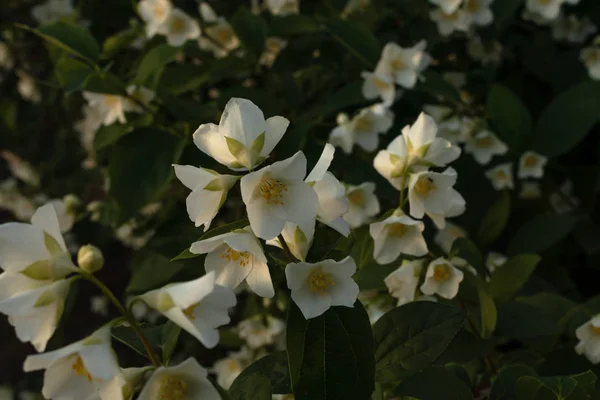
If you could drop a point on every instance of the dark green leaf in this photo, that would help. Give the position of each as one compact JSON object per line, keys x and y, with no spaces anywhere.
{"x":509,"y":117}
{"x":512,"y":275}
{"x":72,"y":74}
{"x":151,"y":270}
{"x":504,"y":12}
{"x":293,"y":25}
{"x":120,"y":41}
{"x":140,"y":167}
{"x":541,"y":233}
{"x":152,"y":65}
{"x":568,"y":119}
{"x":464,"y":347}
{"x":70,"y":37}
{"x":504,"y":387}
{"x":434,"y":383}
{"x":108,"y":135}
{"x":465,"y":249}
{"x":409,"y":338}
{"x":494,"y":220}
{"x":359,"y":41}
{"x":487,"y":306}
{"x":128,"y":337}
{"x":265,"y":377}
{"x":251,"y":29}
{"x":524,"y":322}
{"x":169,"y":336}
{"x":435,"y":84}
{"x":331,"y":356}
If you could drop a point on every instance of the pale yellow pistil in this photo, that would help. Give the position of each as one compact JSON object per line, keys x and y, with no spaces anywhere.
{"x":242,"y":258}
{"x":441,"y":272}
{"x":273,"y":191}
{"x":159,"y":11}
{"x":530,"y":161}
{"x":363,"y":125}
{"x":595,"y":330}
{"x":397,"y":64}
{"x":473,"y":6}
{"x":502,"y":175}
{"x":424,"y":186}
{"x":398,"y":230}
{"x":172,"y":388}
{"x":189,"y":312}
{"x":357,"y":198}
{"x":177,"y":25}
{"x":111,"y":101}
{"x":320,"y":282}
{"x":380,"y":83}
{"x":224,"y":35}
{"x":80,"y":369}
{"x":484,"y":142}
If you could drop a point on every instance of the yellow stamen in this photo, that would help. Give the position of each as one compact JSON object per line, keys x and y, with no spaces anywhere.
{"x":424,"y":186}
{"x":363,"y":125}
{"x":398,"y":230}
{"x":484,"y":142}
{"x":159,"y":11}
{"x":380,"y":83}
{"x":357,"y":198}
{"x":80,"y":369}
{"x":319,"y":282}
{"x":530,"y":161}
{"x":172,"y":388}
{"x":242,"y":258}
{"x":189,"y":312}
{"x":502,"y":175}
{"x":472,"y":6}
{"x":177,"y":25}
{"x":441,"y":272}
{"x":111,"y":100}
{"x":272,"y":191}
{"x":596,"y":330}
{"x":397,"y":64}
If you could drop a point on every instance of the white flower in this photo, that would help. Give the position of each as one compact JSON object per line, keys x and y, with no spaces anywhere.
{"x":178,"y":28}
{"x":547,"y":9}
{"x":317,"y":287}
{"x":283,"y":7}
{"x":66,"y":217}
{"x":572,"y":29}
{"x":591,"y":58}
{"x":363,"y":129}
{"x":33,"y":306}
{"x":52,"y":10}
{"x":458,"y":20}
{"x":199,"y":306}
{"x":494,"y":260}
{"x":488,"y":53}
{"x":432,"y":192}
{"x":142,"y":95}
{"x":379,"y":84}
{"x":456,"y":129}
{"x":122,"y":386}
{"x":243,"y":138}
{"x":109,"y":107}
{"x":589,"y":340}
{"x":484,"y":145}
{"x":186,"y":381}
{"x":333,"y":203}
{"x":99,"y":305}
{"x":273,"y":46}
{"x":236,"y":257}
{"x":403,"y":65}
{"x":446,"y":236}
{"x":229,"y":368}
{"x":455,"y":206}
{"x":298,"y":238}
{"x":531,"y":165}
{"x":79,"y":370}
{"x":11,"y":199}
{"x":278,"y":194}
{"x":501,"y":176}
{"x":530,"y":190}
{"x":20,"y":168}
{"x":209,"y":191}
{"x":402,"y":283}
{"x":353,"y":6}
{"x":154,"y":13}
{"x":260,"y":330}
{"x":27,"y":87}
{"x":364,"y":205}
{"x":416,"y":149}
{"x":395,"y":235}
{"x":479,"y":11}
{"x":442,"y":278}
{"x":448,"y":6}
{"x":438,"y":112}
{"x":6,"y":58}
{"x":87,"y":127}
{"x":219,"y":31}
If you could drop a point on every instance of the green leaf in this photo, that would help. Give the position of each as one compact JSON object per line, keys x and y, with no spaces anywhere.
{"x":568,"y":119}
{"x":526,"y":323}
{"x":263,"y":378}
{"x":409,"y":338}
{"x":331,"y":356}
{"x":465,"y":249}
{"x":236,"y":148}
{"x":150,"y":270}
{"x":70,"y":37}
{"x":504,"y":12}
{"x":169,"y":336}
{"x":508,"y":279}
{"x":251,"y":30}
{"x":108,"y":135}
{"x":504,"y":387}
{"x":120,"y":41}
{"x":140,"y":167}
{"x":105,"y":82}
{"x":127,"y":336}
{"x":72,"y":74}
{"x":541,"y":232}
{"x":509,"y":117}
{"x":435,"y":84}
{"x":554,"y":305}
{"x":152,"y":65}
{"x":293,"y":25}
{"x":487,"y":306}
{"x":359,"y":40}
{"x":434,"y":383}
{"x":559,"y":388}
{"x":464,"y":347}
{"x":219,"y":230}
{"x":494,"y":221}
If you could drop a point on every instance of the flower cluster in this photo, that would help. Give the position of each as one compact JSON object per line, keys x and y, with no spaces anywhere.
{"x":460,"y":15}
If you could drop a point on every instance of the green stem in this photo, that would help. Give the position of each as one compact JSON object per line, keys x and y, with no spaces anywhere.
{"x":403,"y":197}
{"x":126,"y":314}
{"x":286,"y":248}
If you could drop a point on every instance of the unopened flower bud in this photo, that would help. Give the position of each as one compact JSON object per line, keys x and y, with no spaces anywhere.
{"x":90,"y":258}
{"x":72,"y":203}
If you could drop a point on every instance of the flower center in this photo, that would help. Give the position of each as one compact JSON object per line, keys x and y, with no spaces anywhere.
{"x":357,"y":198}
{"x":595,"y":330}
{"x":272,"y":191}
{"x":398,"y":230}
{"x":502,"y":175}
{"x":484,"y":142}
{"x":233,"y":366}
{"x":111,"y":101}
{"x":177,"y":25}
{"x":530,"y":161}
{"x":224,"y":35}
{"x":363,"y":125}
{"x":397,"y":64}
{"x":159,"y":11}
{"x":172,"y":388}
{"x":424,"y":186}
{"x":441,"y":272}
{"x":80,"y":369}
{"x":242,"y":258}
{"x":472,"y":6}
{"x":544,"y":2}
{"x":319,"y":282}
{"x":380,"y":83}
{"x":189,"y":312}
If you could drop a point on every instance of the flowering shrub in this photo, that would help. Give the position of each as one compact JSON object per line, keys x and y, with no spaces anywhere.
{"x":339,"y":199}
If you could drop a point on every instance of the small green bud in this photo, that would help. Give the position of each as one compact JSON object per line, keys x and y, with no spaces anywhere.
{"x":90,"y":258}
{"x":72,"y":203}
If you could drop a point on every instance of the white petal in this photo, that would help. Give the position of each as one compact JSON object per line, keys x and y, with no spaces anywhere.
{"x":311,"y":304}
{"x":193,"y":177}
{"x":322,"y":165}
{"x":276,"y":127}
{"x":300,"y":203}
{"x":210,"y":140}
{"x":259,"y":280}
{"x":242,"y":120}
{"x":20,"y":246}
{"x":45,"y":218}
